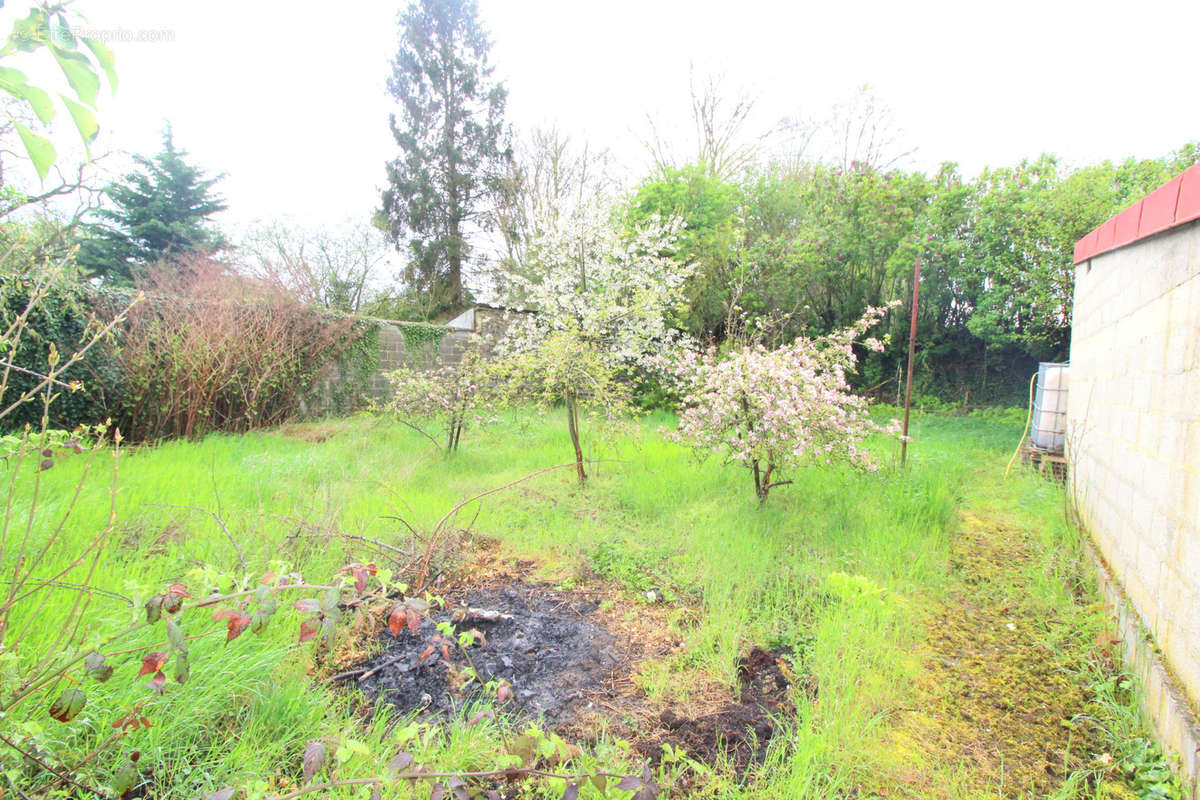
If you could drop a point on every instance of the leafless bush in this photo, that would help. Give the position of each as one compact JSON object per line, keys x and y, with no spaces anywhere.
{"x":212,"y":350}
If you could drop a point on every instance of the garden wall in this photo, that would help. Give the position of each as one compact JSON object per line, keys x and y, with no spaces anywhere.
{"x":420,"y":346}
{"x":1134,"y":441}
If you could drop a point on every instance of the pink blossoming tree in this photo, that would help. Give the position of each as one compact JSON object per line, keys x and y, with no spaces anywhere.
{"x":778,"y":410}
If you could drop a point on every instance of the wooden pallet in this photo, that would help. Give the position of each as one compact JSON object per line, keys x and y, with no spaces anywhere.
{"x":1047,"y":462}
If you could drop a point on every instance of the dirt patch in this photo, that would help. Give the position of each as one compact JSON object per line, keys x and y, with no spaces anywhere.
{"x":548,"y":646}
{"x":738,"y":733}
{"x":573,"y":664}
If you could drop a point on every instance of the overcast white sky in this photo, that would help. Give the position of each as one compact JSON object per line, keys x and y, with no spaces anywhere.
{"x":288,"y":98}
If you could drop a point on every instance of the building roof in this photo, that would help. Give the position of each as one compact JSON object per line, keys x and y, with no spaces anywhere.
{"x":1175,"y":202}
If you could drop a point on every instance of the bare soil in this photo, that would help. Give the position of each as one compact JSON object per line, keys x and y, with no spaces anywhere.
{"x":546,"y":645}
{"x":566,"y":664}
{"x":738,"y":733}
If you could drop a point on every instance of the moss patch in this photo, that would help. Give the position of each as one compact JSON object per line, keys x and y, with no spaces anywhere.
{"x":994,"y":708}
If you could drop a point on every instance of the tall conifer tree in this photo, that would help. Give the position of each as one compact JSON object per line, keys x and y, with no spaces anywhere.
{"x":450,"y":133}
{"x":161,"y":213}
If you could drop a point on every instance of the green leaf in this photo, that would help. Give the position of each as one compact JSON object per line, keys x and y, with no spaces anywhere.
{"x":26,"y":33}
{"x":175,"y":636}
{"x":104,"y":57}
{"x":125,"y":778}
{"x":182,"y":669}
{"x":60,"y":32}
{"x":79,"y":73}
{"x":14,"y":82}
{"x":95,"y":667}
{"x":39,"y":148}
{"x":68,"y":705}
{"x":85,"y":122}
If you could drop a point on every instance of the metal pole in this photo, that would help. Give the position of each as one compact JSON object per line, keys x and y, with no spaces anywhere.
{"x":912,"y":344}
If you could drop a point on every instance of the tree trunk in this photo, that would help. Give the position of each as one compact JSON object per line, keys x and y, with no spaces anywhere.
{"x":573,"y":427}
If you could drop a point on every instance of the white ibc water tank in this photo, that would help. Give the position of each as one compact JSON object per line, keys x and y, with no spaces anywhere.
{"x":1050,"y":407}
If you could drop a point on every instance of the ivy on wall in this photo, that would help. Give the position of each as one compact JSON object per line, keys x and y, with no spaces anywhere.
{"x":354,"y":368}
{"x":421,"y":342}
{"x":421,"y":336}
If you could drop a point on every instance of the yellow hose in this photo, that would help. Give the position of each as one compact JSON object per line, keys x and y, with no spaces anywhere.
{"x":1024,"y":433}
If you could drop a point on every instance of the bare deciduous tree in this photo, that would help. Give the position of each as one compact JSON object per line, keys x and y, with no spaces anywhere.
{"x":864,"y":129}
{"x":552,"y":177}
{"x":719,"y":120}
{"x":336,"y":268}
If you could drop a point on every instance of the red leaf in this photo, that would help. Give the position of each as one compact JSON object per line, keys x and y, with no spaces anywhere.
{"x":426,"y":653}
{"x":307,"y":606}
{"x":172,"y":602}
{"x":308,"y":629}
{"x":360,"y":579}
{"x":158,"y":681}
{"x":413,"y":620}
{"x":153,"y":662}
{"x":268,"y":577}
{"x":446,"y":653}
{"x":396,"y":620}
{"x":179,"y":589}
{"x":503,"y":693}
{"x":236,"y":626}
{"x":131,"y":722}
{"x":479,"y":717}
{"x":400,"y":762}
{"x":225,"y":613}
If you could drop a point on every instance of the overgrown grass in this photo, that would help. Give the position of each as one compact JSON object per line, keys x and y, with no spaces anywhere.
{"x":841,"y":566}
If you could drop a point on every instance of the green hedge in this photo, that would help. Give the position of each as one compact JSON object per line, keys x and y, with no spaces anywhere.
{"x":71,"y":312}
{"x":65,"y":318}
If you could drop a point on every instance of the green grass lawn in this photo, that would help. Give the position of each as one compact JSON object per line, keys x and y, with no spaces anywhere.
{"x":845,"y":568}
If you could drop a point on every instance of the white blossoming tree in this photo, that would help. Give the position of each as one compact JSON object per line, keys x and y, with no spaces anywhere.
{"x":777,"y":410}
{"x":602,"y":299}
{"x":451,"y":397}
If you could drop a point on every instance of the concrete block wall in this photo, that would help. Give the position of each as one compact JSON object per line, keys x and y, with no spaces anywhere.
{"x":1134,"y":437}
{"x":491,"y":324}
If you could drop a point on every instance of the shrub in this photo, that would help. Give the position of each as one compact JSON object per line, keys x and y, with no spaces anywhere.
{"x":214,"y":351}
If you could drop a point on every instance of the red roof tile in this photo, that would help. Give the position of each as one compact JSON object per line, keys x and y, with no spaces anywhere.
{"x":1174,"y":203}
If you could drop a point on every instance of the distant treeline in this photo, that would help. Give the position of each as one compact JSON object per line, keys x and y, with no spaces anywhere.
{"x":802,"y":248}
